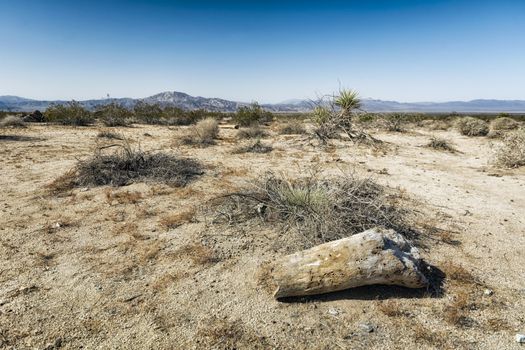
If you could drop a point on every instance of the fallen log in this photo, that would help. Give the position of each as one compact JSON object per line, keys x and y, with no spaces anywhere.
{"x":375,"y":256}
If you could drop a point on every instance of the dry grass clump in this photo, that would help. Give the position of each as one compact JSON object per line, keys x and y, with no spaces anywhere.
{"x":440,"y":143}
{"x":205,"y":132}
{"x":469,"y":126}
{"x":253,"y":132}
{"x":175,"y":220}
{"x":109,"y":135}
{"x":292,"y":128}
{"x":395,"y":122}
{"x":127,"y":165}
{"x":504,"y":123}
{"x":253,"y":147}
{"x":499,"y":126}
{"x":511,"y":154}
{"x":12,"y":121}
{"x":321,"y":209}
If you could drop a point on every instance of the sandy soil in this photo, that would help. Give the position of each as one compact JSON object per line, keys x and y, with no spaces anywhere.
{"x":108,"y":268}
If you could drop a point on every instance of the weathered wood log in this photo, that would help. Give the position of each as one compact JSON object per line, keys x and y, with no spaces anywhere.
{"x":374,"y":256}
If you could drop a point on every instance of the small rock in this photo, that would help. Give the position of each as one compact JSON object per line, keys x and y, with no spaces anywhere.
{"x":520,"y":338}
{"x":488,"y":292}
{"x":56,"y":225}
{"x":367,"y":328}
{"x":334,"y":312}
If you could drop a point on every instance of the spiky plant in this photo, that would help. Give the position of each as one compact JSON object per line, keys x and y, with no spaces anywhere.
{"x":348,"y":101}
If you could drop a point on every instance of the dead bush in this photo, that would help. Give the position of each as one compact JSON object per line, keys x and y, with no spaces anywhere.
{"x":251,"y":133}
{"x":469,"y":126}
{"x":12,"y":121}
{"x":126,"y":165}
{"x":253,"y":147}
{"x":292,"y":128}
{"x":511,"y":153}
{"x":321,"y":209}
{"x":203,"y":133}
{"x":499,"y":126}
{"x":440,"y":144}
{"x":395,"y":122}
{"x":109,"y":135}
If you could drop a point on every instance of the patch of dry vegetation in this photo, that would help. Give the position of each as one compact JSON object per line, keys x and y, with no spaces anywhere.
{"x":253,"y":132}
{"x":175,"y":220}
{"x":253,"y":147}
{"x":105,"y":134}
{"x":321,"y":209}
{"x":499,"y":126}
{"x":470,"y":126}
{"x":204,"y":133}
{"x":127,"y":165}
{"x":12,"y":121}
{"x":292,"y":128}
{"x":441,"y":144}
{"x":511,"y":154}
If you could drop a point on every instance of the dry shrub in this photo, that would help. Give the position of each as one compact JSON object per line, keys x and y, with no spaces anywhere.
{"x":434,"y":124}
{"x":395,"y":122}
{"x":110,"y":135}
{"x":253,"y":147}
{"x":392,"y":308}
{"x":440,"y":143}
{"x":203,"y":133}
{"x":251,"y":133}
{"x":504,"y":123}
{"x":12,"y":121}
{"x":292,"y":128}
{"x":321,"y":209}
{"x":511,"y":153}
{"x":457,"y":311}
{"x":127,"y":165}
{"x":469,"y":126}
{"x":175,"y":220}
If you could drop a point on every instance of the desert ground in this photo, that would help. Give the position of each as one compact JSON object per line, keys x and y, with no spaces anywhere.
{"x":148,"y":265}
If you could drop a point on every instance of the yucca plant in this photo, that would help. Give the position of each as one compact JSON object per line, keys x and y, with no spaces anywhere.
{"x":348,"y":101}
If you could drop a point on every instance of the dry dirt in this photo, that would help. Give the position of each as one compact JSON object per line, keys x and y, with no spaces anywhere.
{"x":144,"y":267}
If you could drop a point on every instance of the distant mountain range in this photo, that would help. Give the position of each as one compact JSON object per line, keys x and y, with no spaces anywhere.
{"x":185,"y":101}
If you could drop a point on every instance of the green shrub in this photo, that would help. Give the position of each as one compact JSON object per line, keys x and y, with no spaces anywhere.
{"x":71,"y":113}
{"x":149,"y":113}
{"x":252,"y":115}
{"x":469,"y":126}
{"x":114,"y":114}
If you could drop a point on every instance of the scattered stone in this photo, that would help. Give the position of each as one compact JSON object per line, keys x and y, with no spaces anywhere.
{"x":333,"y":311}
{"x":520,"y":338}
{"x":366,"y":327}
{"x":488,"y":292}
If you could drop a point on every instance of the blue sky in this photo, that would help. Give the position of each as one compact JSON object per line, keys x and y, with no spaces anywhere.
{"x":263,"y":50}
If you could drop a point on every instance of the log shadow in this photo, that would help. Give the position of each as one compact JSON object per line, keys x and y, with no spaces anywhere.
{"x":435,"y":276}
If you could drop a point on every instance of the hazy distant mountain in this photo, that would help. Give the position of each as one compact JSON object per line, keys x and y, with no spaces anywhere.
{"x":185,"y":101}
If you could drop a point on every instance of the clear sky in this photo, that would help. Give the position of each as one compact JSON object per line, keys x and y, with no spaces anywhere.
{"x":263,"y":50}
